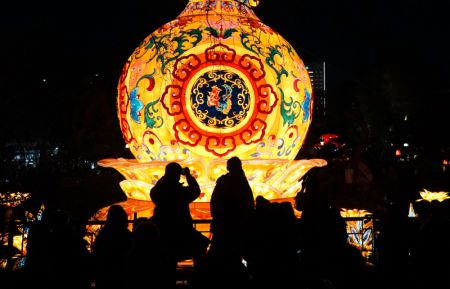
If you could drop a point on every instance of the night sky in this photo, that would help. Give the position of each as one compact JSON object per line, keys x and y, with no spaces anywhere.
{"x":61,"y":61}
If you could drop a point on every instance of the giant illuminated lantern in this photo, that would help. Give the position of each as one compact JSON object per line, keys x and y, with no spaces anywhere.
{"x":215,"y":82}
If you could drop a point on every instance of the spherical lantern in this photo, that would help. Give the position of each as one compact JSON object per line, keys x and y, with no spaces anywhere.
{"x":214,"y":83}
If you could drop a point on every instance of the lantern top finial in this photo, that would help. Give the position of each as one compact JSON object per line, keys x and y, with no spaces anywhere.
{"x":251,"y":3}
{"x":239,"y":8}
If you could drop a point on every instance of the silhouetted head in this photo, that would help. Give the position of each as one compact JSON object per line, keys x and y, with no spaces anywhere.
{"x":234,"y":164}
{"x":173,"y":171}
{"x":335,"y":227}
{"x":117,"y":216}
{"x":287,"y":211}
{"x":146,"y":234}
{"x":313,"y":196}
{"x":310,"y":182}
{"x":262,"y":204}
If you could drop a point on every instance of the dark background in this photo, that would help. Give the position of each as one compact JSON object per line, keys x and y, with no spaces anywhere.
{"x":387,"y":77}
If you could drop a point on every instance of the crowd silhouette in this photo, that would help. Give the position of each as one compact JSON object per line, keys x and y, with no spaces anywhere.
{"x":255,"y":243}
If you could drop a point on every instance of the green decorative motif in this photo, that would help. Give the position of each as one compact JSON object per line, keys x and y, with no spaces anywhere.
{"x":151,"y":120}
{"x":270,"y":60}
{"x":290,"y":109}
{"x":253,"y":44}
{"x":219,"y":33}
{"x":169,"y":47}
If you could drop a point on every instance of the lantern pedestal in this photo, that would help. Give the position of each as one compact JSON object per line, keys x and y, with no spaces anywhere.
{"x":276,"y":179}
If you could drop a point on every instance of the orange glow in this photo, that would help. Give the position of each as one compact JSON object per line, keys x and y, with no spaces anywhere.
{"x":13,"y":199}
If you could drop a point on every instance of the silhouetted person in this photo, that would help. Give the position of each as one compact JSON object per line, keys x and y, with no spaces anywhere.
{"x":37,"y":264}
{"x":327,"y":259}
{"x":110,"y":248}
{"x":147,"y":262}
{"x":394,"y":247}
{"x":57,"y":254}
{"x":400,"y":183}
{"x":173,"y":217}
{"x":431,"y":254}
{"x":137,"y":221}
{"x":286,"y":243}
{"x":80,"y":260}
{"x":273,"y":260}
{"x":232,"y":209}
{"x":313,"y":199}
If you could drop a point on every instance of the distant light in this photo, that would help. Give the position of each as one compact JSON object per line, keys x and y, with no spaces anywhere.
{"x":406,"y":145}
{"x":445,"y":162}
{"x":411,"y":213}
{"x":406,"y":117}
{"x":44,"y":80}
{"x":433,"y":196}
{"x":322,"y":143}
{"x":97,"y":74}
{"x":127,"y":146}
{"x":93,"y":166}
{"x":398,"y":153}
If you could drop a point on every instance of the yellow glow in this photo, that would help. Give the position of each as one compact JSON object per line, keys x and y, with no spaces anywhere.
{"x":360,"y":231}
{"x":216,"y":82}
{"x":348,"y":213}
{"x":19,"y":243}
{"x":433,"y":196}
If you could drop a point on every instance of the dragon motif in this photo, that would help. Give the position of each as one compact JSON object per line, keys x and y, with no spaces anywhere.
{"x":221,"y":103}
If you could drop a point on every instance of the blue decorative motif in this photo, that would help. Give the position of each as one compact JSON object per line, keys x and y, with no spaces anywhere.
{"x":136,"y":105}
{"x":305,"y":105}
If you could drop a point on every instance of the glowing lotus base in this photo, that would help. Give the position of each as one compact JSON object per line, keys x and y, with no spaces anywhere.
{"x":433,"y":196}
{"x":276,"y":179}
